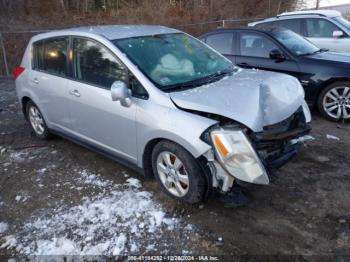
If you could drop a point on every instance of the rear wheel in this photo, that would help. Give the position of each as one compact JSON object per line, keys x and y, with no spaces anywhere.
{"x":334,"y":102}
{"x":178,"y":172}
{"x":37,"y":121}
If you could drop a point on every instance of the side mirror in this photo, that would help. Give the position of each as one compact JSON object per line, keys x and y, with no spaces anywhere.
{"x":337,"y":34}
{"x":277,"y":55}
{"x":120,"y":92}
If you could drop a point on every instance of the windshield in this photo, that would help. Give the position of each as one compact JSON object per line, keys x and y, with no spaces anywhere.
{"x":341,"y":20}
{"x":295,"y":43}
{"x":174,"y":60}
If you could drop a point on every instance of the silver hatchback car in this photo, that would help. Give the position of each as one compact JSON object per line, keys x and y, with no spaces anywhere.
{"x":164,"y":103}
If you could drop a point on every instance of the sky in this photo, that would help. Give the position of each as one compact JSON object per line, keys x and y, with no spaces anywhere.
{"x":334,"y":2}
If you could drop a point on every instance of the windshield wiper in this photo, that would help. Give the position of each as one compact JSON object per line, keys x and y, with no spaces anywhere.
{"x":192,"y":83}
{"x":316,"y":52}
{"x":198,"y":82}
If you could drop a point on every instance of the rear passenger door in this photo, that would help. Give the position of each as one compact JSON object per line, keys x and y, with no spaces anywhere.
{"x":95,"y":118}
{"x":48,"y":80}
{"x":254,"y":52}
{"x":223,"y":42}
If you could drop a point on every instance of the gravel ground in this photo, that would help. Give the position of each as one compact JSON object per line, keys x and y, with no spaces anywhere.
{"x":59,"y":198}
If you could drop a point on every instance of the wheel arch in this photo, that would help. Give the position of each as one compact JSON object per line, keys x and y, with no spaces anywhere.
{"x":149,"y":146}
{"x":24,"y":102}
{"x":202,"y":162}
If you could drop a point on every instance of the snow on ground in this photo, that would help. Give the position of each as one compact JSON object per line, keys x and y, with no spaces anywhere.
{"x":303,"y":139}
{"x":332,"y":137}
{"x":3,"y":227}
{"x":123,"y":219}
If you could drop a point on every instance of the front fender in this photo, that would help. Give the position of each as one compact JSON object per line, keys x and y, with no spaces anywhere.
{"x":172,"y":124}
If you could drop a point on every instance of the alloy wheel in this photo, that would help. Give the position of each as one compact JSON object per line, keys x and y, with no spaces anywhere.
{"x":336,"y":102}
{"x":172,"y":174}
{"x":36,"y":120}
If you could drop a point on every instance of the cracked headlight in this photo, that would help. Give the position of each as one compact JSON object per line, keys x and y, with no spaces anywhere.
{"x":238,"y":157}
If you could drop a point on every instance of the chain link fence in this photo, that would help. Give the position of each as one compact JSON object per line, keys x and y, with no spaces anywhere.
{"x":13,"y":43}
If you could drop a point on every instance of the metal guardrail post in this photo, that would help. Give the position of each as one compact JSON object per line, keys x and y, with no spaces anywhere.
{"x":4,"y":55}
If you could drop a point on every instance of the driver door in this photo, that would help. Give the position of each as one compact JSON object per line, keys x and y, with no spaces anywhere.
{"x":254,"y":52}
{"x":95,"y":118}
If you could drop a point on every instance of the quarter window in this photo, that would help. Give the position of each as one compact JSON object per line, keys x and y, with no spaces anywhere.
{"x":256,"y":45}
{"x":50,"y":56}
{"x":94,"y":64}
{"x":221,"y":42}
{"x":320,"y":28}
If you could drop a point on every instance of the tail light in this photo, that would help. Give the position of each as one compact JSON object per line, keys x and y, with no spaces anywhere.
{"x":18,"y":71}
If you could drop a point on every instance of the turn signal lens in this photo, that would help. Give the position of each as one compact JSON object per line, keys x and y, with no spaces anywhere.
{"x":220,"y":146}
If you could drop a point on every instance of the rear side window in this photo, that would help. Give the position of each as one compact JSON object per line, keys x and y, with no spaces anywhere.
{"x":221,"y":42}
{"x":291,"y":24}
{"x":50,"y":56}
{"x":95,"y":64}
{"x":256,"y":45}
{"x":316,"y":27}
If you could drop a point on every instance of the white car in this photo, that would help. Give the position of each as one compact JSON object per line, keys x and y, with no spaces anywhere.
{"x":325,"y":28}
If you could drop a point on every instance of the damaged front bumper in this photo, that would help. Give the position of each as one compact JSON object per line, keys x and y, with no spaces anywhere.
{"x":267,"y":150}
{"x":276,"y":144}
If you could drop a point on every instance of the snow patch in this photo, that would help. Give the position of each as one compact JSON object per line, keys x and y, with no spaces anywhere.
{"x":133,"y":182}
{"x":18,"y":156}
{"x":91,"y":179}
{"x":332,"y":137}
{"x":117,"y":221}
{"x":303,"y":139}
{"x":3,"y":227}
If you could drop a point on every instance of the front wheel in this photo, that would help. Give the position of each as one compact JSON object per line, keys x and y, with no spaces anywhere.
{"x":178,"y":172}
{"x":334,"y":102}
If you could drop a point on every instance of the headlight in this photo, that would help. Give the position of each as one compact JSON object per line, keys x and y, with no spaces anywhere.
{"x":307,"y":113}
{"x":238,"y":157}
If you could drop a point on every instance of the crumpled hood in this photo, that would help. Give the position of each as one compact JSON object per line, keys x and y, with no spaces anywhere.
{"x":253,"y":98}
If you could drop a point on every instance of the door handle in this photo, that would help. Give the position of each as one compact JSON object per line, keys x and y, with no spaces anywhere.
{"x":75,"y":93}
{"x":35,"y":81}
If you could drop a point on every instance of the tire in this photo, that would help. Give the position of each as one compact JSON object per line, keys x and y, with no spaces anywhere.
{"x":334,"y":102}
{"x":37,"y":121}
{"x":184,"y":180}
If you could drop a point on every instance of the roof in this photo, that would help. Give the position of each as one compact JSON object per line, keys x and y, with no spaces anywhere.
{"x":328,"y":13}
{"x":124,"y":31}
{"x":343,"y":9}
{"x":266,"y":29}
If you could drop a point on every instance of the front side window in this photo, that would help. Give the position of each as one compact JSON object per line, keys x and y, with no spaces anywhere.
{"x":50,"y":55}
{"x":94,"y":64}
{"x":341,"y":20}
{"x":221,"y":42}
{"x":256,"y":45}
{"x":320,"y":28}
{"x":295,"y":43}
{"x":174,"y":60}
